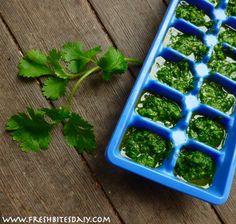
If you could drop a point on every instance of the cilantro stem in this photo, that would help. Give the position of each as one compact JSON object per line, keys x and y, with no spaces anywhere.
{"x":76,"y":86}
{"x":134,"y":61}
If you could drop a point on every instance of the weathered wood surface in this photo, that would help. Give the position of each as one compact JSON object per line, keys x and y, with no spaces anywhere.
{"x":131,"y":26}
{"x":56,"y":181}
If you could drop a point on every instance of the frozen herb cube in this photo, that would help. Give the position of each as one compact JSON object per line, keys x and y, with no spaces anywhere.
{"x":145,"y":147}
{"x":159,"y":108}
{"x":207,"y":130}
{"x":223,"y":62}
{"x":194,"y":15}
{"x":188,"y":45}
{"x":176,"y":75}
{"x":216,"y":96}
{"x":195,"y":167}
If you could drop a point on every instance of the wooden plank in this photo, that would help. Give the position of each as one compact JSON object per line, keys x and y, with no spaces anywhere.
{"x":54,"y":182}
{"x":227,"y":212}
{"x":131,"y":24}
{"x":137,"y":200}
{"x":121,"y":18}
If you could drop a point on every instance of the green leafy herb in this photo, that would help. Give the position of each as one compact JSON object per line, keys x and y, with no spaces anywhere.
{"x":188,"y":45}
{"x":113,"y":62}
{"x":32,"y":129}
{"x":216,"y":96}
{"x":54,"y":88}
{"x":159,"y":109}
{"x":77,"y":57}
{"x":176,"y":75}
{"x":57,"y":115}
{"x":194,"y":15}
{"x":207,"y":130}
{"x":195,"y":167}
{"x":54,"y":59}
{"x":34,"y":64}
{"x":222,"y":61}
{"x":145,"y":147}
{"x":79,"y":134}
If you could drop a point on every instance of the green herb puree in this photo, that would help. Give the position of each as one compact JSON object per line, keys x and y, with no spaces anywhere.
{"x":159,"y":108}
{"x":228,"y":36}
{"x":216,"y":96}
{"x":222,"y":61}
{"x":195,"y":167}
{"x":176,"y":75}
{"x":207,"y":131}
{"x":231,"y":10}
{"x":188,"y":45}
{"x":145,"y":147}
{"x":193,"y":15}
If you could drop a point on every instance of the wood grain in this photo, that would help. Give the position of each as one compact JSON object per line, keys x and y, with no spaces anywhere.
{"x":132,"y":25}
{"x":46,"y":24}
{"x":54,"y":182}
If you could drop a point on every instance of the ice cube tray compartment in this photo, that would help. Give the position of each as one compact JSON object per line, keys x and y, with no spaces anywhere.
{"x":189,"y":102}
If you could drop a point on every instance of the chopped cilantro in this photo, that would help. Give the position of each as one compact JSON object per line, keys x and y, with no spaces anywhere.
{"x":188,"y":45}
{"x":228,"y":36}
{"x":145,"y":147}
{"x":193,"y":14}
{"x":195,"y":167}
{"x":176,"y":75}
{"x":216,"y":96}
{"x":159,"y":108}
{"x":207,"y":130}
{"x":222,"y":62}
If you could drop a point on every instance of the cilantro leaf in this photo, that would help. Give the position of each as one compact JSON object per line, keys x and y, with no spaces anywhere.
{"x":54,"y":88}
{"x":77,"y":57}
{"x":113,"y":62}
{"x":57,"y":114}
{"x":70,"y":50}
{"x":34,"y":64}
{"x":54,"y":58}
{"x":31,"y":130}
{"x":79,"y":134}
{"x":76,"y":67}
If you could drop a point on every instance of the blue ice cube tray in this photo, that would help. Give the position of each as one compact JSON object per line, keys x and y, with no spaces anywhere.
{"x":225,"y":158}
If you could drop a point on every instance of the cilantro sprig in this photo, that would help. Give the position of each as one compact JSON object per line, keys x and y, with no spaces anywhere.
{"x":32,"y":129}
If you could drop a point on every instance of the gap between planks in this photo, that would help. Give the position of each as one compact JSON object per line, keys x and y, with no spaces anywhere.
{"x":39,"y":82}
